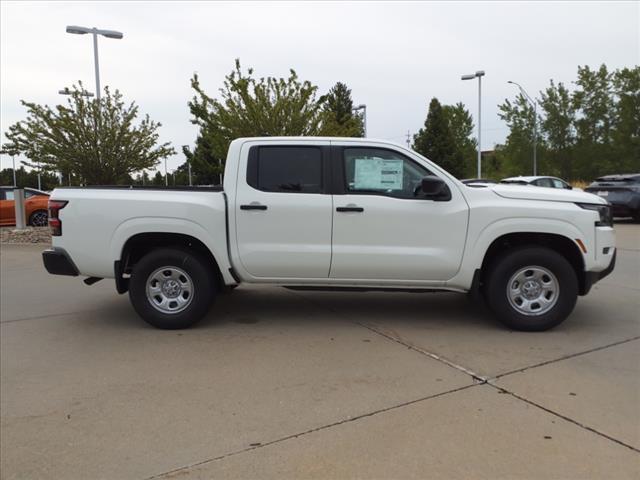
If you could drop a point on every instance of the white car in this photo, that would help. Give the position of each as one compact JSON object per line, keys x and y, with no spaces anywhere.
{"x":538,"y":181}
{"x":334,"y":213}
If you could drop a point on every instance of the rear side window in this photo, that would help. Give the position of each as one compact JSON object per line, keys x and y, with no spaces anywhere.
{"x":285,"y":169}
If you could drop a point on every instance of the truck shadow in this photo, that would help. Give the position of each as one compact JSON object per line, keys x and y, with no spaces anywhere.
{"x":249,"y":305}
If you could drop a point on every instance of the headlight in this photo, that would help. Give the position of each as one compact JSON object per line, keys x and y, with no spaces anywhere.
{"x":606,"y":218}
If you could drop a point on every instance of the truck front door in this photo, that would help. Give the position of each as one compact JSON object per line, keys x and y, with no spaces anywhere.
{"x":383,"y":229}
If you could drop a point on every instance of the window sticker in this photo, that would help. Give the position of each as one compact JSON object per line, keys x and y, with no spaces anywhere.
{"x":378,"y":174}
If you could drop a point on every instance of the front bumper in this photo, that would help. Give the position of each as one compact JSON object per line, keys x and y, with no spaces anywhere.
{"x":593,"y":277}
{"x":58,"y":262}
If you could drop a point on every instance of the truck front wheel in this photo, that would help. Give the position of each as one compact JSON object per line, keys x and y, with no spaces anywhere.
{"x":531,"y":288}
{"x":171,"y":288}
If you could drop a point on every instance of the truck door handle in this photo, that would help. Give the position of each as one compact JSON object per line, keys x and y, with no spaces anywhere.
{"x":253,"y":206}
{"x":349,"y":209}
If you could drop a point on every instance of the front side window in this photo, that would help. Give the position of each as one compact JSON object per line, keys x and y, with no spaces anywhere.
{"x":557,"y":183}
{"x":384,"y":172}
{"x":286,"y":169}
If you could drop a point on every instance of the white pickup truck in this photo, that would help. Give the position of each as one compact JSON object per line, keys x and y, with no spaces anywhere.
{"x":335,"y":213}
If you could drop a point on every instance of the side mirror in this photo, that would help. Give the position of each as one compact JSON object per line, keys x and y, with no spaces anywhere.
{"x":569,"y":187}
{"x":434,"y":187}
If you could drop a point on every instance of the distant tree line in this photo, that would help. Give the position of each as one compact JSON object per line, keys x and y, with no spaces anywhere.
{"x":588,"y":130}
{"x":585,"y":131}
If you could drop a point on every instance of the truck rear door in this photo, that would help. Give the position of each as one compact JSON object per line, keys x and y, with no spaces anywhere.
{"x":283,"y":211}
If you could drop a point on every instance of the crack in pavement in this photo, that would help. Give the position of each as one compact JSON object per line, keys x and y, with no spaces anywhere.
{"x":312,"y":430}
{"x":476,"y":376}
{"x":396,"y":339}
{"x":563,"y":417}
{"x":489,"y":380}
{"x":566,"y":357}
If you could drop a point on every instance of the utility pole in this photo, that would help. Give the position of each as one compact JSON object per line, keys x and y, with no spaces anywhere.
{"x":408,"y":139}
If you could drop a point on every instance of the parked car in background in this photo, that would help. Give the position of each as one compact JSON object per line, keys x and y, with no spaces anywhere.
{"x":621,"y":191}
{"x":35,"y":207}
{"x":478,"y":182}
{"x":537,"y":181}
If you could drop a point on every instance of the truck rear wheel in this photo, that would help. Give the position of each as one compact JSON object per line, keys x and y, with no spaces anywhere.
{"x":171,"y":288}
{"x":531,"y":288}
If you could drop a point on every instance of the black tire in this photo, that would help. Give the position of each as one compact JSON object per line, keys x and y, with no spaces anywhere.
{"x":39,"y":218}
{"x":636,"y":216}
{"x":200,"y":278}
{"x":517,"y":260}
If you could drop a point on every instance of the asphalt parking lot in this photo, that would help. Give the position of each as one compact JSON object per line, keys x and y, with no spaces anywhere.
{"x":283,"y":384}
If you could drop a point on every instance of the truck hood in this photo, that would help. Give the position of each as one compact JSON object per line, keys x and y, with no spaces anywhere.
{"x":530,"y":192}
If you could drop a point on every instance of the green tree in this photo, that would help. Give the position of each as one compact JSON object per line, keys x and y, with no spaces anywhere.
{"x":98,"y":142}
{"x":435,"y":141}
{"x":338,"y":119}
{"x":625,"y":133}
{"x":158,"y":179}
{"x":461,"y":127}
{"x":516,"y":157}
{"x":557,"y":125}
{"x":253,"y":107}
{"x":206,"y":168}
{"x":29,"y":178}
{"x":594,"y":100}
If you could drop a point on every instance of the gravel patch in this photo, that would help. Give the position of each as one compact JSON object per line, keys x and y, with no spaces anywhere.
{"x":28,"y":235}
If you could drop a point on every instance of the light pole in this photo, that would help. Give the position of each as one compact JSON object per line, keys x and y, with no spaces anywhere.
{"x":95,"y":32}
{"x":362,"y":107}
{"x":534,"y":104}
{"x":13,"y":158}
{"x":166,"y":173}
{"x":479,"y":74}
{"x":185,"y":149}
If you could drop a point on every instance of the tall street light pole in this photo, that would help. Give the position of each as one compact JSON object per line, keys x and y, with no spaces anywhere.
{"x":362,"y":107}
{"x":185,"y":149}
{"x":95,"y":32}
{"x":166,"y":173}
{"x":534,"y":104}
{"x":479,"y":74}
{"x":13,"y":158}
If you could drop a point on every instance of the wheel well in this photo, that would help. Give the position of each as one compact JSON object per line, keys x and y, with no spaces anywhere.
{"x":563,"y":245}
{"x":139,"y":245}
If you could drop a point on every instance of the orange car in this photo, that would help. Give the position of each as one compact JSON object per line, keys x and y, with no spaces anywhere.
{"x":35,"y":206}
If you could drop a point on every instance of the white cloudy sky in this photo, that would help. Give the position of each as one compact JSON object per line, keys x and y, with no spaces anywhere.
{"x":394,"y":56}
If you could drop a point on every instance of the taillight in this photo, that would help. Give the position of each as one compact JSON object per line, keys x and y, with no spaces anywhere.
{"x":54,"y":221}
